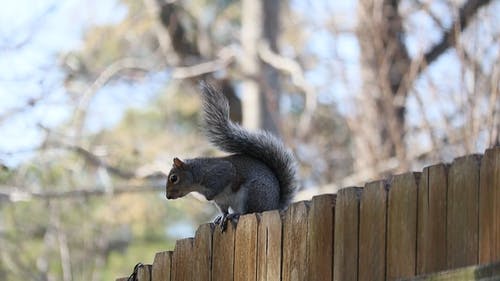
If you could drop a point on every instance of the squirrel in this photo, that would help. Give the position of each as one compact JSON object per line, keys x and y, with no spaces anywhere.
{"x":258,"y":175}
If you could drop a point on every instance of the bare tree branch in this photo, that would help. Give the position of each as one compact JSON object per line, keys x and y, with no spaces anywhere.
{"x":96,"y":161}
{"x":226,"y":57}
{"x":30,"y":103}
{"x":102,"y":79}
{"x":32,"y":28}
{"x":298,"y":79}
{"x":466,"y":13}
{"x":18,"y":194}
{"x":162,"y":35}
{"x":494,"y":109}
{"x":62,"y":241}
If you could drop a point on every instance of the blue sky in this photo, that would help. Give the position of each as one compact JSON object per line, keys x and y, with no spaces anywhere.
{"x":33,"y":33}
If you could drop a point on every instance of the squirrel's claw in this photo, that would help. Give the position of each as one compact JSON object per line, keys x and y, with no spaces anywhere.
{"x":219,"y":219}
{"x":234,"y":218}
{"x":224,"y":218}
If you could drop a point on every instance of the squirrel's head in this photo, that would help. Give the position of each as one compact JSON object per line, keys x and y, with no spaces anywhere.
{"x":179,"y":181}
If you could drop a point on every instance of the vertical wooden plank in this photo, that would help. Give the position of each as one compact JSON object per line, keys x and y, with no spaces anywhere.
{"x":345,"y":265}
{"x":489,"y":207}
{"x":372,"y":231}
{"x":320,"y":237}
{"x":402,"y":226}
{"x":295,"y":243}
{"x":203,"y":253}
{"x":144,"y":273}
{"x":431,"y":232}
{"x":182,"y":260}
{"x":245,"y":249}
{"x":162,"y":266}
{"x":462,"y":212}
{"x":269,"y":247}
{"x":223,"y":253}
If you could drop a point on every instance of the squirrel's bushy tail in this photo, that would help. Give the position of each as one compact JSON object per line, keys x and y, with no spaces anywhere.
{"x":232,"y":138}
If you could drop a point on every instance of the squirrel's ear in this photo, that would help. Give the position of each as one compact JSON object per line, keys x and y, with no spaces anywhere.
{"x":178,"y":163}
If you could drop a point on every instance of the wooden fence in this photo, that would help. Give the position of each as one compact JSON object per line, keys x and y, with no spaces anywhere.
{"x":413,"y":224}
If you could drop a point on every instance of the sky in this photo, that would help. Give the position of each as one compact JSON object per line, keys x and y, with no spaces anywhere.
{"x":34,"y":33}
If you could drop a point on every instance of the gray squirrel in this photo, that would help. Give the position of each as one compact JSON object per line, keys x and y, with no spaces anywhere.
{"x":258,"y":175}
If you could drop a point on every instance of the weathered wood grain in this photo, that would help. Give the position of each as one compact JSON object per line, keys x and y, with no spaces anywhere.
{"x":320,"y":238}
{"x":372,"y":231}
{"x":182,"y":261}
{"x":202,"y":250}
{"x":431,"y":232}
{"x":245,"y":249}
{"x":162,"y":266}
{"x":144,"y":273}
{"x":269,"y":247}
{"x":345,"y":261}
{"x":402,"y":226}
{"x":295,"y":243}
{"x":489,"y":207}
{"x":445,"y":218}
{"x":462,"y":212}
{"x":223,"y":254}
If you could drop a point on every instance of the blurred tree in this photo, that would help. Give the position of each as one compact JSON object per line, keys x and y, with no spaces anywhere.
{"x":389,"y":75}
{"x":260,"y":86}
{"x":90,"y":203}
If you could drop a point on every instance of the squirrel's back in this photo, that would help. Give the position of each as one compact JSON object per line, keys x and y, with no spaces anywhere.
{"x":232,"y":138}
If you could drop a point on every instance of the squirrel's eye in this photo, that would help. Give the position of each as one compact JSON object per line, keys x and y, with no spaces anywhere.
{"x":173,"y":178}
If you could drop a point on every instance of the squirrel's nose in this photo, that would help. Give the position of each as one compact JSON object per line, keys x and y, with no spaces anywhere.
{"x":171,"y":195}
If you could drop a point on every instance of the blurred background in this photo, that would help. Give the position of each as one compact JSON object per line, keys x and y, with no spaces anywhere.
{"x":97,"y":97}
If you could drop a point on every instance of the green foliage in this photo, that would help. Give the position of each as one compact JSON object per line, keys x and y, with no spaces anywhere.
{"x":122,"y":263}
{"x":104,"y":235}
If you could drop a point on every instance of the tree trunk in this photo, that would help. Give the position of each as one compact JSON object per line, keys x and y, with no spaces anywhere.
{"x":260,"y":87}
{"x":380,"y":127}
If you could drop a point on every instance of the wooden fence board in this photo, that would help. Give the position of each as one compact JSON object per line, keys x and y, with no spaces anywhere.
{"x":372,"y":231}
{"x":203,"y":253}
{"x":345,"y":259}
{"x":320,"y":238}
{"x":162,"y":266}
{"x":182,"y":260}
{"x":489,"y":207}
{"x":223,"y":253}
{"x":295,"y":243}
{"x":269,"y":247}
{"x":144,"y":273}
{"x":462,"y":212}
{"x":447,"y":217}
{"x":431,"y":232}
{"x":245,"y":249}
{"x":402,"y":226}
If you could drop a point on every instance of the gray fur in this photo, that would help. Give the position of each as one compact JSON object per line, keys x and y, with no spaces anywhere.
{"x":260,"y":145}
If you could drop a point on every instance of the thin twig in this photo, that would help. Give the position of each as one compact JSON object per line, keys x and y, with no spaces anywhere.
{"x":102,"y":79}
{"x":226,"y":57}
{"x":466,"y":13}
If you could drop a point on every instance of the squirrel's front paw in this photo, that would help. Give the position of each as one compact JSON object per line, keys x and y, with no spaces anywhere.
{"x":223,"y":219}
{"x":219,"y":219}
